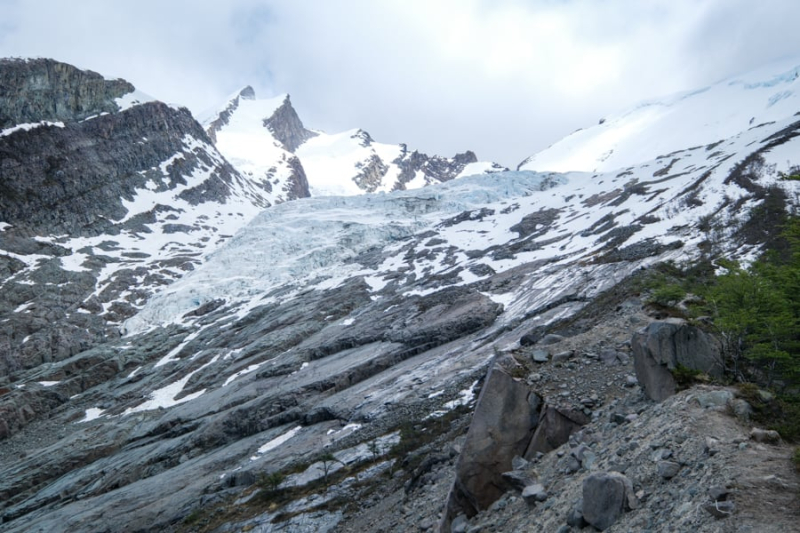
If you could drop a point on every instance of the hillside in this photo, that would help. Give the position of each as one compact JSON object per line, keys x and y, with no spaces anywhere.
{"x":191,"y":343}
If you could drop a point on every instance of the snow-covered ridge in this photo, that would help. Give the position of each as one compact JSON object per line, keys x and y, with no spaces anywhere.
{"x":695,"y":118}
{"x":30,"y":126}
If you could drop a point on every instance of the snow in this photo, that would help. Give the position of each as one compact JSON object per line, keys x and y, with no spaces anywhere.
{"x":479,"y":167}
{"x":164,"y":397}
{"x":4,"y":226}
{"x":276,"y":442}
{"x":93,"y":413}
{"x":660,"y":127}
{"x":29,"y":126}
{"x":133,"y":98}
{"x":248,"y":370}
{"x":48,"y":383}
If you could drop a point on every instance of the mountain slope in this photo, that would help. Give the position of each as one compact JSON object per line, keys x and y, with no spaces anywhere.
{"x":343,"y":325}
{"x":693,"y":119}
{"x":116,"y":198}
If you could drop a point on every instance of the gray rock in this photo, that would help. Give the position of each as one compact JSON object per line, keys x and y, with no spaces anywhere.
{"x":575,"y":516}
{"x":716,"y":398}
{"x":555,"y":426}
{"x":606,"y":495}
{"x":661,"y":347}
{"x":668,"y":469}
{"x":551,"y":338}
{"x":561,"y":357}
{"x":742,"y":410}
{"x":519,"y":463}
{"x":768,"y":436}
{"x":534,"y":493}
{"x":540,"y":356}
{"x":518,"y":480}
{"x":719,"y":509}
{"x":504,"y":419}
{"x":459,"y":524}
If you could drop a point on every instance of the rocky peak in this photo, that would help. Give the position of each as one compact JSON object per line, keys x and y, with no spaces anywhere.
{"x":364,"y":138}
{"x":35,"y":90}
{"x":287,"y":127}
{"x":434,"y":168}
{"x":247,"y":93}
{"x":224,"y":116}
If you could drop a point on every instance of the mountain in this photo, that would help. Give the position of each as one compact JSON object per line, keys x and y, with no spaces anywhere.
{"x":655,"y":129}
{"x":191,"y":352}
{"x":265,"y":137}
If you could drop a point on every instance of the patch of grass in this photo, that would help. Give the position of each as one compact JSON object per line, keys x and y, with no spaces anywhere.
{"x":686,"y":377}
{"x":781,"y":413}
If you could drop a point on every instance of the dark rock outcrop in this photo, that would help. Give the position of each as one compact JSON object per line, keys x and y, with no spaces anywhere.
{"x":662,"y":347}
{"x":34,"y":90}
{"x":287,"y":127}
{"x":434,"y":168}
{"x":505,"y":416}
{"x":74,"y":179}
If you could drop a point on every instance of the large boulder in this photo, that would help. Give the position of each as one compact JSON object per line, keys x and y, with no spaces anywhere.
{"x":506,"y":414}
{"x":662,"y":347}
{"x":606,"y":495}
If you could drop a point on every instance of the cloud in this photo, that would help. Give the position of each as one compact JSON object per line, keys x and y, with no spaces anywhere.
{"x":504,"y":78}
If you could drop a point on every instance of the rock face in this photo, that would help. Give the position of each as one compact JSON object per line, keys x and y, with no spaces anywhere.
{"x":556,"y":424}
{"x":664,"y":346}
{"x":501,"y":429}
{"x":433,"y":168}
{"x":74,"y":179}
{"x":287,"y":127}
{"x":35,"y":90}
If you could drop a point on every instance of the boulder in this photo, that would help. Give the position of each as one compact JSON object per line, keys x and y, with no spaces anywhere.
{"x":555,"y":426}
{"x":606,"y":495}
{"x":534,"y":493}
{"x":662,"y":347}
{"x":505,"y":417}
{"x":765,"y":435}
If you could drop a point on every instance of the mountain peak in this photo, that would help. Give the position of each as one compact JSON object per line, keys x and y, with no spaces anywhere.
{"x":248,"y":93}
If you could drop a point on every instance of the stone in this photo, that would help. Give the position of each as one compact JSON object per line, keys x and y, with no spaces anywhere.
{"x":459,"y":524}
{"x":551,"y":338}
{"x":711,"y":446}
{"x":518,"y":480}
{"x":505,"y":417}
{"x":540,"y":356}
{"x":718,"y":509}
{"x":717,"y":398}
{"x":606,"y":495}
{"x":662,"y":347}
{"x":519,"y":463}
{"x":561,"y":357}
{"x":742,"y":409}
{"x":668,"y":469}
{"x":718,"y":493}
{"x":768,"y":436}
{"x":575,"y":516}
{"x":534,"y":493}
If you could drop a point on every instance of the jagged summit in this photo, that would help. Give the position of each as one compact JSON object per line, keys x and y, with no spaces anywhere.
{"x":695,"y":118}
{"x":258,"y":137}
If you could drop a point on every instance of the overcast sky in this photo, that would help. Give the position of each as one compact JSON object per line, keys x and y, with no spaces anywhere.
{"x":504,"y":78}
